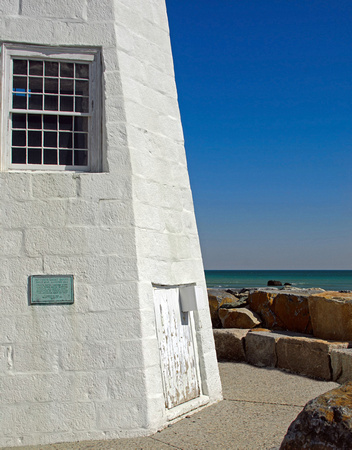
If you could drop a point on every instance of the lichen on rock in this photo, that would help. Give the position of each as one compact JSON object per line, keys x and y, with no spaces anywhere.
{"x":325,"y":422}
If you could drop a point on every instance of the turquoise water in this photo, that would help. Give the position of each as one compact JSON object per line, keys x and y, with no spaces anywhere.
{"x":326,"y":279}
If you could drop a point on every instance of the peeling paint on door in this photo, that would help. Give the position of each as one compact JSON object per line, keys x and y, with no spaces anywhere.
{"x":177,"y":351}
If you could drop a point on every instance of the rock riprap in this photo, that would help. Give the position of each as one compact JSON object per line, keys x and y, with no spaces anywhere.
{"x":325,"y":422}
{"x":238,"y":318}
{"x":331,"y":315}
{"x":217,"y":298}
{"x":283,"y":309}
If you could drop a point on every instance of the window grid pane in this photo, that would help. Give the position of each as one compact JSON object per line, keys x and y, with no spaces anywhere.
{"x":55,"y":87}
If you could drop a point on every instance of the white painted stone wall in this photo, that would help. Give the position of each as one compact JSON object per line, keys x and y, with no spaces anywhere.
{"x":91,"y":370}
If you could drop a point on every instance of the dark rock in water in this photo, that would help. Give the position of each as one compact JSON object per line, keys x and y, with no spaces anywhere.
{"x":325,"y":422}
{"x":287,"y":284}
{"x":346,"y":292}
{"x":274,"y":283}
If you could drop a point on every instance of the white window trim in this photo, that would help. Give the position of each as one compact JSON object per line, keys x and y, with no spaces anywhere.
{"x":74,"y":54}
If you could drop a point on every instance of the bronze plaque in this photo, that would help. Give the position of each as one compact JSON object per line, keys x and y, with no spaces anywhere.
{"x":51,"y":290}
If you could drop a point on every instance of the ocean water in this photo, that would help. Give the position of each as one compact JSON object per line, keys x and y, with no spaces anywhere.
{"x":335,"y":280}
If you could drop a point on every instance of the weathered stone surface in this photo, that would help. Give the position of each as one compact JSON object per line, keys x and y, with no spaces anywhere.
{"x":331,"y":315}
{"x":241,"y":294}
{"x":261,"y":348}
{"x":341,"y":363}
{"x":238,"y":318}
{"x":292,"y":312}
{"x":306,"y":356}
{"x":239,"y":303}
{"x":325,"y":422}
{"x":261,"y":302}
{"x":229,"y":344}
{"x":216,"y":298}
{"x":283,"y":309}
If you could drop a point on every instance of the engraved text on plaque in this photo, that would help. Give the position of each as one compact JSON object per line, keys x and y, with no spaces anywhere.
{"x":51,"y":289}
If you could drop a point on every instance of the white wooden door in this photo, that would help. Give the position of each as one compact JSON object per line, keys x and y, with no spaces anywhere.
{"x":177,"y":352}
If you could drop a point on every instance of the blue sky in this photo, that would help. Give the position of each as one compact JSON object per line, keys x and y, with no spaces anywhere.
{"x":265,"y":92}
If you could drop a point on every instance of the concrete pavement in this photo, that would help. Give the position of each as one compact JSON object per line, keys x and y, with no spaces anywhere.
{"x":259,"y":404}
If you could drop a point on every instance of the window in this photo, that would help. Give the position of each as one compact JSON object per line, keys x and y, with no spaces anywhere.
{"x":51,"y":111}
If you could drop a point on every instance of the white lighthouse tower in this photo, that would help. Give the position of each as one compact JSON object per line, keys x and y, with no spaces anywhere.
{"x":104,"y":324}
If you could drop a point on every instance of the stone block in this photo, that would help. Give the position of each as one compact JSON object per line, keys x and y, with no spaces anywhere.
{"x":119,"y":414}
{"x":229,"y":344}
{"x":113,"y":297}
{"x":331,"y":315}
{"x":341,"y":363}
{"x":110,"y":241}
{"x":46,"y":326}
{"x":261,"y":348}
{"x":36,"y":213}
{"x":48,"y":185}
{"x":36,"y":357}
{"x":128,"y":383}
{"x":103,"y":186}
{"x":306,"y":356}
{"x":43,"y":8}
{"x":238,"y":318}
{"x":9,"y":7}
{"x":14,"y":299}
{"x":89,"y":386}
{"x":122,"y":269}
{"x":14,"y":186}
{"x":109,"y":325}
{"x":11,"y":242}
{"x":115,"y":213}
{"x":99,"y":9}
{"x":80,"y":212}
{"x":63,"y":241}
{"x":35,"y":388}
{"x":89,"y":269}
{"x":21,"y":267}
{"x":89,"y":356}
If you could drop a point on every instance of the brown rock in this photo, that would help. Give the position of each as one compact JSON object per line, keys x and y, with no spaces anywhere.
{"x":325,"y":422}
{"x":216,"y":298}
{"x":306,"y":356}
{"x":341,"y":363}
{"x":238,"y":318}
{"x":261,"y":348}
{"x":292,"y":312}
{"x":261,"y":302}
{"x":331,"y":315}
{"x":282,"y":310}
{"x":229,"y":344}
